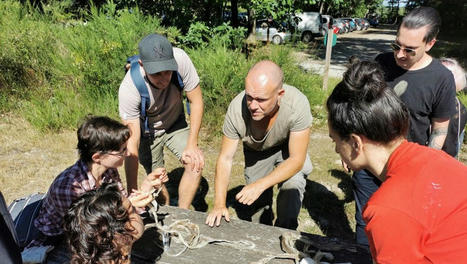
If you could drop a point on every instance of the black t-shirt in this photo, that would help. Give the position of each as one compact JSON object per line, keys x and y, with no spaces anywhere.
{"x":458,"y":120}
{"x":428,"y":93}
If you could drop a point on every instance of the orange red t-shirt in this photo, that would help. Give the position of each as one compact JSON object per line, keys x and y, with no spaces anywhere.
{"x":419,"y":214}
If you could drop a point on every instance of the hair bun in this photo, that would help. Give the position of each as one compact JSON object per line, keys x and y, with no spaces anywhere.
{"x":363,"y":80}
{"x":353,"y":60}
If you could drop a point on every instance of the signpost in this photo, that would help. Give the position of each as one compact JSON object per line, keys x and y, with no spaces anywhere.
{"x":329,"y":42}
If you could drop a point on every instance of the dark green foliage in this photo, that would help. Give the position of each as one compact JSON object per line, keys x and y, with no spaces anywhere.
{"x":199,"y":36}
{"x":64,"y":69}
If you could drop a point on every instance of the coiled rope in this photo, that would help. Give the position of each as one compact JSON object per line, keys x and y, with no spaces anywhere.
{"x":188,"y":234}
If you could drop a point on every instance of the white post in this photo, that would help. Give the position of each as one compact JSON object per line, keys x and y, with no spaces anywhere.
{"x":328,"y":58}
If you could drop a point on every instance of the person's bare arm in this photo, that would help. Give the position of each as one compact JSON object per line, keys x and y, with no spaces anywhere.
{"x":221,"y":181}
{"x":192,"y":154}
{"x":298,"y":145}
{"x":439,"y":131}
{"x":131,"y":161}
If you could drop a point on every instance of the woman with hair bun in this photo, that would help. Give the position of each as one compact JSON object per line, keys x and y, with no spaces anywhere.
{"x":419,"y":214}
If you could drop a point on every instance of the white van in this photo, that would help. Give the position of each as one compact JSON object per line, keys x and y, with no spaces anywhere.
{"x":309,"y":25}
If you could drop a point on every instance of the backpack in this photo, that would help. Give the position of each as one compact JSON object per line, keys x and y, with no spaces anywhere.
{"x":140,"y":84}
{"x":23,"y":211}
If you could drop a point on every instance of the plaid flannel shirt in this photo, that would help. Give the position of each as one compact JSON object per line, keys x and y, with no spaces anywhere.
{"x":65,"y":189}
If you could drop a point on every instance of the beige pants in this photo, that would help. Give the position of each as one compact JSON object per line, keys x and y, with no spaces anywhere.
{"x":151,"y":150}
{"x":289,"y":200}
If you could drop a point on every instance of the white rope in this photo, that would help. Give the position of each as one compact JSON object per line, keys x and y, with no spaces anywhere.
{"x":188,"y":234}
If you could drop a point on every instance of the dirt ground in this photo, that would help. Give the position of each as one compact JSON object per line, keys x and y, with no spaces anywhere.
{"x":366,"y":45}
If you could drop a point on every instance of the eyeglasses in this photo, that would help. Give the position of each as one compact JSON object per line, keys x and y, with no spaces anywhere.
{"x":408,"y":51}
{"x":120,"y":154}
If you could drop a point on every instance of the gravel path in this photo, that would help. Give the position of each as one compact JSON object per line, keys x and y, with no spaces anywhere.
{"x":363,"y":44}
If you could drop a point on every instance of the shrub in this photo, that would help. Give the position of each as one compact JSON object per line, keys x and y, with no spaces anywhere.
{"x":199,"y":36}
{"x":26,"y":58}
{"x":221,"y":71}
{"x":48,"y":61}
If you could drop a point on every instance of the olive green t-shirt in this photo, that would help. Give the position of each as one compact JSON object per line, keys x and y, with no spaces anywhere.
{"x":294,"y":115}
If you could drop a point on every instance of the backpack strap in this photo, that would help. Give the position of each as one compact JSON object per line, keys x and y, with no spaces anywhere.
{"x":140,"y":84}
{"x":179,"y":83}
{"x":143,"y":92}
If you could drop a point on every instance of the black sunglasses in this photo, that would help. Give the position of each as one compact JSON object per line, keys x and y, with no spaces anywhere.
{"x":409,"y":51}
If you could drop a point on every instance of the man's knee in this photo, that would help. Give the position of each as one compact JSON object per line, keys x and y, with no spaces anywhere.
{"x":297,"y":182}
{"x":289,"y":202}
{"x":192,"y":174}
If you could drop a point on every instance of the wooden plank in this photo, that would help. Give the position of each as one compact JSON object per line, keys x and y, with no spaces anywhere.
{"x":265,"y":238}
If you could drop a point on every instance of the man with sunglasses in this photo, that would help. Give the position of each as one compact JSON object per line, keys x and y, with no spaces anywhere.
{"x":425,"y":86}
{"x":167,"y":73}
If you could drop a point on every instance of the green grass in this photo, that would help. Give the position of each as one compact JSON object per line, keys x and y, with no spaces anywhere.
{"x":63,"y":69}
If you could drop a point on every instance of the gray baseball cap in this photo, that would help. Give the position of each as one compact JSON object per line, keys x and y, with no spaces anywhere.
{"x":156,"y":53}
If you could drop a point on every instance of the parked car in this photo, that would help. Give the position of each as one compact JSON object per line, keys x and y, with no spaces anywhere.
{"x":309,"y":25}
{"x":278,"y":32}
{"x":326,"y":19}
{"x":242,"y":18}
{"x":352,"y":24}
{"x":340,"y":25}
{"x":360,"y":23}
{"x":374,"y":21}
{"x":366,"y":23}
{"x":345,"y":24}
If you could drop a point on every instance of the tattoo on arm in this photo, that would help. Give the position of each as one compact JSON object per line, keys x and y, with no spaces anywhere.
{"x":436,"y":136}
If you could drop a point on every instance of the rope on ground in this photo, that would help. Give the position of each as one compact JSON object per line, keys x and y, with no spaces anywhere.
{"x":188,"y":234}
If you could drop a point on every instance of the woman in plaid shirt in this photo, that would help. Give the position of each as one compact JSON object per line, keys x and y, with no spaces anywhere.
{"x":102,"y":147}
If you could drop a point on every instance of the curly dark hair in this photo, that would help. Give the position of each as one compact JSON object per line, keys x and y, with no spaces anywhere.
{"x":96,"y":227}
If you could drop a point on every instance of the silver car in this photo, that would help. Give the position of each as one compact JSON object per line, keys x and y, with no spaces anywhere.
{"x":277,"y":32}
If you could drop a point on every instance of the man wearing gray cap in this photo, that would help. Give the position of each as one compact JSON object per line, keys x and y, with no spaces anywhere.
{"x":167,"y":72}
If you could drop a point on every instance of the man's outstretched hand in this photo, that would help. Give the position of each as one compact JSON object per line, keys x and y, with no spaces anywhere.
{"x":215,"y":216}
